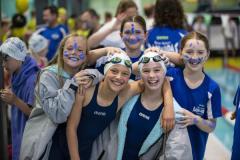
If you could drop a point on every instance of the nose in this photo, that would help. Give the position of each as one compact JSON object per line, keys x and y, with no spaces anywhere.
{"x":151,"y":74}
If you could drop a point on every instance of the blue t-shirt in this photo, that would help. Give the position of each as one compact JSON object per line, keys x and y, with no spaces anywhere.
{"x":166,"y":38}
{"x":54,"y":36}
{"x":204,"y":101}
{"x":140,"y":123}
{"x":236,"y":137}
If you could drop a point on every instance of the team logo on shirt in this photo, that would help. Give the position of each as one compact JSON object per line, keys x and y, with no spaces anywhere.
{"x":99,"y":113}
{"x":144,"y":116}
{"x":55,"y":36}
{"x":199,"y":110}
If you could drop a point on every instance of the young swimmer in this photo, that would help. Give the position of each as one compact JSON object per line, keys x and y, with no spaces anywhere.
{"x":196,"y":92}
{"x":92,"y":113}
{"x":140,"y":117}
{"x":133,"y":34}
{"x":55,"y":95}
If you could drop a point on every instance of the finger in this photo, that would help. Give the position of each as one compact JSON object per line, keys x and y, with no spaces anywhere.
{"x":164,"y":126}
{"x":182,"y":121}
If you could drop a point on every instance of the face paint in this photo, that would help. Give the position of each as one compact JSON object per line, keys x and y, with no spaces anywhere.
{"x":191,"y":60}
{"x":75,"y":45}
{"x":65,"y":53}
{"x":133,"y":29}
{"x":81,"y":56}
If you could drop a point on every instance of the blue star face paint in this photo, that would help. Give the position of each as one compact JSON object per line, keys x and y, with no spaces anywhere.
{"x":82,"y":56}
{"x":191,"y":60}
{"x":132,"y":29}
{"x":65,"y":53}
{"x":75,"y":45}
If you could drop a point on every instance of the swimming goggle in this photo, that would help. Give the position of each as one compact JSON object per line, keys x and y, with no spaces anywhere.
{"x":117,"y":60}
{"x":156,"y":58}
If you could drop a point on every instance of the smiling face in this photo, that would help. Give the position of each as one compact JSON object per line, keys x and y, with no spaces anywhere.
{"x":74,"y":52}
{"x":117,"y":77}
{"x":194,"y":54}
{"x":152,"y":75}
{"x":133,"y":35}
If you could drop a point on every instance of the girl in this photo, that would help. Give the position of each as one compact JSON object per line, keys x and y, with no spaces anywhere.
{"x":133,"y":33}
{"x":140,"y":116}
{"x":81,"y":131}
{"x":38,"y":47}
{"x":55,"y":94}
{"x":196,"y":92}
{"x":108,"y":35}
{"x":168,"y":27}
{"x":23,"y":71}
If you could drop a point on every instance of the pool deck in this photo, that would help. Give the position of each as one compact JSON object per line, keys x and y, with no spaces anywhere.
{"x":215,"y":150}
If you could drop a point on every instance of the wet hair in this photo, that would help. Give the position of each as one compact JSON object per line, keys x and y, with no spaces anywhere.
{"x":137,"y":19}
{"x":197,"y":36}
{"x":124,"y":5}
{"x":52,"y":9}
{"x":169,"y":13}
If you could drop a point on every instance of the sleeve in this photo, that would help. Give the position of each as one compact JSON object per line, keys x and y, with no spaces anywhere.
{"x":30,"y":97}
{"x":171,"y":71}
{"x":56,"y":101}
{"x":214,"y":105}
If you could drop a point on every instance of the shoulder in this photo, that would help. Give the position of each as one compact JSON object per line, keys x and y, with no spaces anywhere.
{"x":212,"y":84}
{"x":89,"y":95}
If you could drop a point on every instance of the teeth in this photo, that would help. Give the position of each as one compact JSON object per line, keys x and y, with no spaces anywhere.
{"x":152,"y":81}
{"x":117,"y":83}
{"x":73,"y":58}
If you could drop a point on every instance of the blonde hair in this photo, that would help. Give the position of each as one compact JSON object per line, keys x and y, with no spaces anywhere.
{"x":58,"y":58}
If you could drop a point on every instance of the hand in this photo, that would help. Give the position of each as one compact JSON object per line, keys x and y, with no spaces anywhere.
{"x":120,"y":17}
{"x":80,"y":95}
{"x":187,"y":118}
{"x":113,"y":50}
{"x":233,"y":116}
{"x":8,"y":96}
{"x":168,"y":119}
{"x":162,"y":55}
{"x":83,"y":78}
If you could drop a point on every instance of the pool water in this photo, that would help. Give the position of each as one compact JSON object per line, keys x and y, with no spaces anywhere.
{"x":228,"y":81}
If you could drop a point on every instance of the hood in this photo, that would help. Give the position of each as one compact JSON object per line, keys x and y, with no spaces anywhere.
{"x":28,"y":68}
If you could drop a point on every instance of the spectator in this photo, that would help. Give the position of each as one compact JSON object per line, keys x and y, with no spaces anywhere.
{"x":109,"y":34}
{"x":169,"y":21}
{"x":53,"y":31}
{"x":23,"y":70}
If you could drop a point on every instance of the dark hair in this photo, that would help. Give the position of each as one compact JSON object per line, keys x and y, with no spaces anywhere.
{"x":18,"y":21}
{"x":194,"y":35}
{"x":92,"y":12}
{"x":137,"y":19}
{"x":52,"y":9}
{"x":169,"y":13}
{"x":124,"y":5}
{"x":107,"y":15}
{"x":149,"y":10}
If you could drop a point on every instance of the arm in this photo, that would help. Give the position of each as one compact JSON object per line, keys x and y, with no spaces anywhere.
{"x":103,"y":32}
{"x":56,"y":100}
{"x":9,"y":97}
{"x":72,"y":124}
{"x":189,"y":118}
{"x":95,"y":54}
{"x":168,"y":115}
